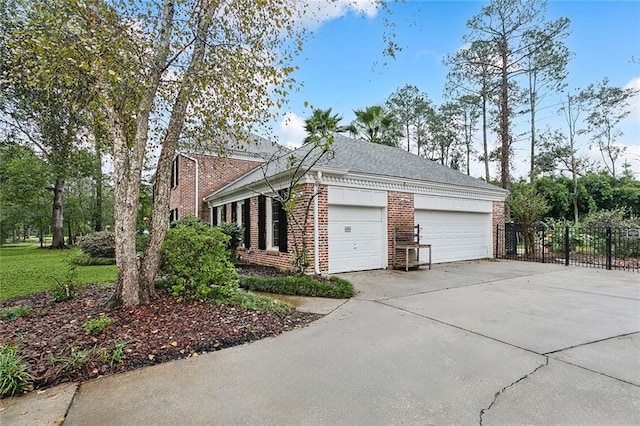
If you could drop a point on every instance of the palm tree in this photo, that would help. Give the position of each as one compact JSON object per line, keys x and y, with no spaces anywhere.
{"x":322,"y":123}
{"x":375,"y":125}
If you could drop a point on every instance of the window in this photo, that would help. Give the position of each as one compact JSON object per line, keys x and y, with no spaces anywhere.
{"x":277,"y":226}
{"x":275,"y":223}
{"x":173,"y":215}
{"x":214,"y":216}
{"x":174,"y":172}
{"x":223,"y":213}
{"x":234,"y":212}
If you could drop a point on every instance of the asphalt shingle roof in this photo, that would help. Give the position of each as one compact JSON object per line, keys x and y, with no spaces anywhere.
{"x":362,"y":157}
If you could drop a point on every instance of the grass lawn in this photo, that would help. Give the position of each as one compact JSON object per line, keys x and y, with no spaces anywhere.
{"x":26,"y":269}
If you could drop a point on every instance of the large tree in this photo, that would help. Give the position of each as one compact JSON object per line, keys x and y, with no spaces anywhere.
{"x":471,"y":73}
{"x":322,"y":122}
{"x":545,"y":66}
{"x":198,"y":69}
{"x":47,"y":106}
{"x":559,"y":148}
{"x":608,"y":107}
{"x":503,"y":27}
{"x":411,"y":108}
{"x":24,"y":198}
{"x":468,"y":107}
{"x":376,"y":125}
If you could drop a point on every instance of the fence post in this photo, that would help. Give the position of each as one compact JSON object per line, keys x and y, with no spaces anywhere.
{"x":497,"y":239}
{"x":543,"y":244}
{"x":608,"y":248}
{"x":566,"y":245}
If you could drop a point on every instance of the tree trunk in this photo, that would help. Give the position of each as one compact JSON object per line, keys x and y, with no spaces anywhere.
{"x":57,"y":222}
{"x":485,"y":143}
{"x":532,"y":106}
{"x":97,"y":213}
{"x":127,"y":292}
{"x":162,"y":191}
{"x":126,"y":189}
{"x":408,"y":140}
{"x":504,"y":116}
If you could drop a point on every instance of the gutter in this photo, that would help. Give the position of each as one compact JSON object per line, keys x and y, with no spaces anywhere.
{"x":195,"y":195}
{"x":316,"y":233}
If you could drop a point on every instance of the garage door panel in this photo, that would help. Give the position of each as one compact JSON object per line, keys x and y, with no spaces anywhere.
{"x":455,"y":236}
{"x":355,"y":238}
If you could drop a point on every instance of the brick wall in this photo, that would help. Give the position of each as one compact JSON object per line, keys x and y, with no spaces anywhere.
{"x":284,"y":261}
{"x":214,"y":173}
{"x":498,"y":219}
{"x":400,"y":212}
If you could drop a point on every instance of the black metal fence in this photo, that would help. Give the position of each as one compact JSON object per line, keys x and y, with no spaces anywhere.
{"x":605,"y":247}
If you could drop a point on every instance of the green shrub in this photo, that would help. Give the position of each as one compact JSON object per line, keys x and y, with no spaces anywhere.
{"x":196,"y":261}
{"x":13,"y":373}
{"x":101,"y":244}
{"x":303,"y":285}
{"x":234,"y":232}
{"x":12,"y":313}
{"x":620,"y":217}
{"x":257,"y":302}
{"x":67,"y":287}
{"x":96,"y":325}
{"x":83,"y":259}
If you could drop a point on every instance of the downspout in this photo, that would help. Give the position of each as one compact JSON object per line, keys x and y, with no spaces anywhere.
{"x":316,"y":233}
{"x":195,"y":195}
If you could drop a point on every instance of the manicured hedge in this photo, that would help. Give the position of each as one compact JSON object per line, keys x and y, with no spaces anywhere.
{"x":304,"y":285}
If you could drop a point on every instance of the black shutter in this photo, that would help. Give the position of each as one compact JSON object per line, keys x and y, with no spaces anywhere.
{"x":214,"y":213}
{"x":246,"y":220}
{"x":282,"y":229}
{"x":174,"y":172}
{"x":282,"y":224}
{"x":262,"y":222}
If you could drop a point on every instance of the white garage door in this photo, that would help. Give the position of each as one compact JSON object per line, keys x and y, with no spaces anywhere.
{"x":455,"y":235}
{"x":355,"y":238}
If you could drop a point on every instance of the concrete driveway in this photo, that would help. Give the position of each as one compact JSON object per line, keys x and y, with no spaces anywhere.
{"x":467,"y":343}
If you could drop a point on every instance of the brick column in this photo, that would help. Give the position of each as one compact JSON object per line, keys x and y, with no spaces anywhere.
{"x":400,"y":212}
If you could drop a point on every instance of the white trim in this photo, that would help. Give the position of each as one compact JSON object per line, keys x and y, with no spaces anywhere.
{"x":416,"y":187}
{"x":368,"y":182}
{"x":197,"y":181}
{"x":348,"y":196}
{"x":435,"y":202}
{"x":269,"y":223}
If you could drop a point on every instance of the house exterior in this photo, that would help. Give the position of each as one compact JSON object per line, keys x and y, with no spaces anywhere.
{"x":363,"y":191}
{"x":196,"y":175}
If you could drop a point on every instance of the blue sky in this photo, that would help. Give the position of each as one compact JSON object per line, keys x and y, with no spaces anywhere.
{"x":341,"y":65}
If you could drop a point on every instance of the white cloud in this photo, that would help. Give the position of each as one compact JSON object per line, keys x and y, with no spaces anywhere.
{"x":314,"y":13}
{"x":290,"y":130}
{"x":634,"y":102}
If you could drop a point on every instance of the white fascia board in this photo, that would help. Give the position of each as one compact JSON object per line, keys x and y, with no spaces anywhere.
{"x":253,"y":189}
{"x":415,"y":186}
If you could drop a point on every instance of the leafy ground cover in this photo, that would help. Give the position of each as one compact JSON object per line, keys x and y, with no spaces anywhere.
{"x":70,"y":341}
{"x":27,"y":269}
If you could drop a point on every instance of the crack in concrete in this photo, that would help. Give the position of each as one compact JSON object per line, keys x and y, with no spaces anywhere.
{"x":501,"y":391}
{"x":590,"y":343}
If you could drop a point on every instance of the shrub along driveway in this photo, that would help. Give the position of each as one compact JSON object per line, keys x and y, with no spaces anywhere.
{"x":466,"y":343}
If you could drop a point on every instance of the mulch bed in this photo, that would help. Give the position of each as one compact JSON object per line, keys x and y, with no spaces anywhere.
{"x":57,"y":349}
